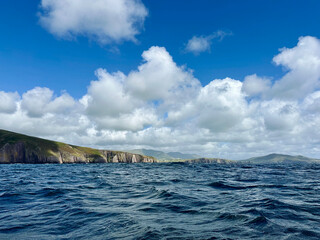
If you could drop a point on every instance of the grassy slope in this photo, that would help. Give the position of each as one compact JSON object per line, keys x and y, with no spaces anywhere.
{"x":45,"y":147}
{"x":51,"y":148}
{"x":271,"y":158}
{"x":162,"y":156}
{"x":268,"y":159}
{"x":42,"y":146}
{"x":280,"y":158}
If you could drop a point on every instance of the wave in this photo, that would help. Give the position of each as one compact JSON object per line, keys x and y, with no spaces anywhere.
{"x":168,"y":201}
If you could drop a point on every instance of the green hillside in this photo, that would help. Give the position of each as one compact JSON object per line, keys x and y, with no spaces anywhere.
{"x":19,"y":148}
{"x":162,"y":156}
{"x":280,"y":158}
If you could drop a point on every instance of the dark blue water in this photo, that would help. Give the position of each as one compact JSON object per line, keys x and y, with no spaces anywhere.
{"x":159,"y":201}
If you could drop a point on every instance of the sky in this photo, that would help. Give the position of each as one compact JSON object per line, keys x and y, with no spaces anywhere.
{"x":218,"y":78}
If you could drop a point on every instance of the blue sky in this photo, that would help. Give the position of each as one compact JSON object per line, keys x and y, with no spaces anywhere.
{"x":267,"y":65}
{"x":30,"y":56}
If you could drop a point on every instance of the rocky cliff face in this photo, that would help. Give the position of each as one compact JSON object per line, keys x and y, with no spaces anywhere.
{"x":210,"y":160}
{"x":17,"y":148}
{"x":17,"y":153}
{"x":124,"y":157}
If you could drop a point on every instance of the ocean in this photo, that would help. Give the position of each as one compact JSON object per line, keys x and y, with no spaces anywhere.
{"x":159,"y":201}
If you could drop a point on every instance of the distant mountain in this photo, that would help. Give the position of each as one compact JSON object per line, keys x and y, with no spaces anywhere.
{"x":268,"y":159}
{"x":19,"y":148}
{"x":161,"y":156}
{"x":178,"y":155}
{"x":280,"y":158}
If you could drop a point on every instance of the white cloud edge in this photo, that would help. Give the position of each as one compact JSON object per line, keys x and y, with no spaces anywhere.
{"x":220,"y":119}
{"x":200,"y":44}
{"x":104,"y":21}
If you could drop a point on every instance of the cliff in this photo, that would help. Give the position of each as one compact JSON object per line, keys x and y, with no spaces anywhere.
{"x":19,"y":148}
{"x":210,"y":160}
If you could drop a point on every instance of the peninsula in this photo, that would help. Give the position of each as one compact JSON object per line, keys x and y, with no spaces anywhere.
{"x":19,"y":148}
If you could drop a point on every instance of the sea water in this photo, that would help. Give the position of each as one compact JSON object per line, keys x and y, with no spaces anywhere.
{"x":159,"y":201}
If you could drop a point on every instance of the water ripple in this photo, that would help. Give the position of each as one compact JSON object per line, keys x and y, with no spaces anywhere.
{"x":159,"y":201}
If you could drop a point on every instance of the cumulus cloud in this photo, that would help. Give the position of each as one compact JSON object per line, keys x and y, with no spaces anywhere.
{"x":143,"y":96}
{"x":221,"y":104}
{"x":254,"y":85}
{"x":39,"y":101}
{"x":280,"y":115}
{"x":105,"y":21}
{"x":303,"y":65}
{"x":106,"y":96}
{"x":162,"y":105}
{"x":311,"y":103}
{"x":218,"y":106}
{"x":159,"y":77}
{"x":199,"y":44}
{"x":8,"y":101}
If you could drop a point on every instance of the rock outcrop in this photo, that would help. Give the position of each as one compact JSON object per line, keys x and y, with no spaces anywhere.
{"x":124,"y":157}
{"x":210,"y":160}
{"x":17,"y":153}
{"x":18,"y":148}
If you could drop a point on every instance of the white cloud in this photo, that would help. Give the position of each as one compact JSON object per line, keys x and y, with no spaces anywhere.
{"x":136,"y":120}
{"x":158,"y":77}
{"x":254,"y":85}
{"x":162,"y":105}
{"x":303,"y":64}
{"x":35,"y":101}
{"x":105,"y":21}
{"x":110,"y":107}
{"x":311,"y":103}
{"x":218,"y":106}
{"x":199,"y":44}
{"x":61,"y":104}
{"x":39,"y":101}
{"x":117,"y":101}
{"x":106,"y":96}
{"x":280,"y":115}
{"x":8,"y":102}
{"x":221,"y":104}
